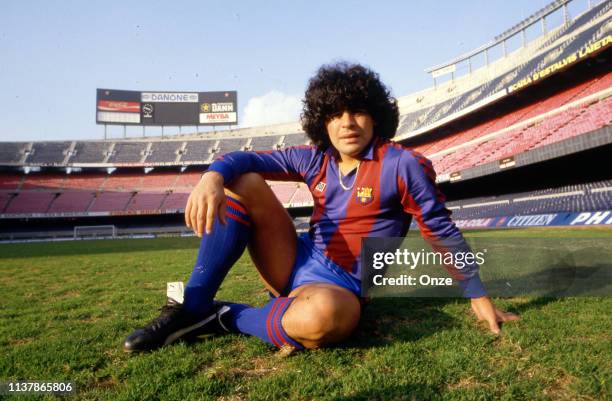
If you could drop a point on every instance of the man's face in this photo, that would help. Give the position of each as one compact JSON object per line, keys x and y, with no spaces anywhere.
{"x":350,"y":132}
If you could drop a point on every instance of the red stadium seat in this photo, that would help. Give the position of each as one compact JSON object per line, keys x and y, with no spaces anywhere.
{"x":567,"y":123}
{"x":110,"y":202}
{"x":147,"y":201}
{"x":30,"y":202}
{"x":175,"y":201}
{"x":72,"y":202}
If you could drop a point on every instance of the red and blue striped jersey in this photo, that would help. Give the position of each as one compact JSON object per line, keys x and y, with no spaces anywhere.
{"x":377,"y":199}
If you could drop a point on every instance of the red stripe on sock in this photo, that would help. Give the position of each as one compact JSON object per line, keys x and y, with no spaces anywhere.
{"x":276,"y":321}
{"x":237,"y":218}
{"x":269,"y":325}
{"x":236,"y":205}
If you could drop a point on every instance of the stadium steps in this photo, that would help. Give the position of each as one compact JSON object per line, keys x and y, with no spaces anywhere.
{"x":5,"y":199}
{"x":69,"y":152}
{"x":179,"y":154}
{"x":109,"y":153}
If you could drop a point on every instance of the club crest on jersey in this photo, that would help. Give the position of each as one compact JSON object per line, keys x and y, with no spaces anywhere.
{"x":364,"y":195}
{"x":320,"y":187}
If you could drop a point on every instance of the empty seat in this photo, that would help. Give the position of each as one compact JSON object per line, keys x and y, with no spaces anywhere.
{"x":110,"y":202}
{"x":71,"y":202}
{"x":30,"y":202}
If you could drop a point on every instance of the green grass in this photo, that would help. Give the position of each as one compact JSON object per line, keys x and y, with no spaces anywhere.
{"x":66,"y":308}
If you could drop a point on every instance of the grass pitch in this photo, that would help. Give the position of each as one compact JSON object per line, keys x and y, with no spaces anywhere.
{"x":66,"y":308}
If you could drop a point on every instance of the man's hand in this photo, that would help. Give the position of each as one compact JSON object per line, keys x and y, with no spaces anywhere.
{"x":485,"y":310}
{"x":206,"y":201}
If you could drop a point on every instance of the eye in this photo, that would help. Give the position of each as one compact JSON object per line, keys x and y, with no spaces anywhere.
{"x":361,"y":112}
{"x":335,"y":115}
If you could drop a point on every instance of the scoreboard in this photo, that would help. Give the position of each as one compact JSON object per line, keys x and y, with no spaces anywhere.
{"x":125,"y":107}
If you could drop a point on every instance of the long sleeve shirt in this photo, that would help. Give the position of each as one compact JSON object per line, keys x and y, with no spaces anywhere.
{"x":378,"y":199}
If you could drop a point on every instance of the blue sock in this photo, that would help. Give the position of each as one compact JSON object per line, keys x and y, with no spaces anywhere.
{"x":218,"y":253}
{"x":264,"y":322}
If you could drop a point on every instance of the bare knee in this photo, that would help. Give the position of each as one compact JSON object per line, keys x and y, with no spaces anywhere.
{"x":252,"y":190}
{"x":245,"y":186}
{"x":322,"y":316}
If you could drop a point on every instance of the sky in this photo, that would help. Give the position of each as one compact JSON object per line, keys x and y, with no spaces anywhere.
{"x":54,"y":54}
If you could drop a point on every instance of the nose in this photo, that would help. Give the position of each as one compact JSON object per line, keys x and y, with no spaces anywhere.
{"x":347,"y":118}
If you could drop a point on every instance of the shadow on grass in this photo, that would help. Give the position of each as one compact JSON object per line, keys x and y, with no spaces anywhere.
{"x":388,"y":320}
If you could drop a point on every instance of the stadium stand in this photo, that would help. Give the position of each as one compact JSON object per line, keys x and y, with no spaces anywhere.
{"x":284,"y":191}
{"x":163,"y":152}
{"x":30,"y":202}
{"x":92,"y":182}
{"x":294,"y":140}
{"x":128,"y":152}
{"x":260,"y":143}
{"x":159,"y":181}
{"x":48,"y":153}
{"x":574,"y":198}
{"x":11,"y":181}
{"x":123,"y":182}
{"x":198,"y":151}
{"x":175,"y":201}
{"x":5,"y":198}
{"x":44,"y":181}
{"x":302,"y":197}
{"x":147,"y":201}
{"x":90,"y":152}
{"x":71,"y":202}
{"x":186,"y":181}
{"x":232,"y":144}
{"x":528,"y":127}
{"x":110,"y":201}
{"x":11,"y":152}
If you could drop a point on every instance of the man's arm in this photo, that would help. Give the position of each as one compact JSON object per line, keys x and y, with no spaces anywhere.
{"x":291,"y":164}
{"x":422,"y":199}
{"x":207,"y":200}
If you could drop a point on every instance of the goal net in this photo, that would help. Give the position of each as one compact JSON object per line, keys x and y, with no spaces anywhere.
{"x":107,"y":231}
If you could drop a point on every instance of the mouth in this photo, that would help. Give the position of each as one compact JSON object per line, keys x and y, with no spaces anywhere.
{"x":350,"y":136}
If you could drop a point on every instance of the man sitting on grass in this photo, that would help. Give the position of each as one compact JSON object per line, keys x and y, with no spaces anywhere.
{"x":349,"y":115}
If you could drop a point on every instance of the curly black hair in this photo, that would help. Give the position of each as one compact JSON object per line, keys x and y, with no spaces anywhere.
{"x":345,"y":86}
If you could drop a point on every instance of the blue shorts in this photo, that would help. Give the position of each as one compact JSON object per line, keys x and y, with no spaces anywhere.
{"x":311,"y":266}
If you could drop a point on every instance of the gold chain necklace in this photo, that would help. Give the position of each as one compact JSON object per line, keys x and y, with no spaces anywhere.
{"x":340,"y":178}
